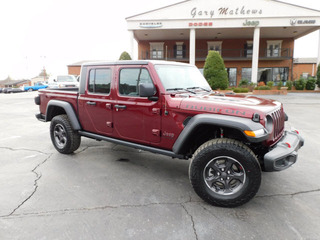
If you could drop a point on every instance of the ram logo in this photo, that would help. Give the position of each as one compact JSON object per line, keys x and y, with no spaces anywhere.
{"x":293,"y":22}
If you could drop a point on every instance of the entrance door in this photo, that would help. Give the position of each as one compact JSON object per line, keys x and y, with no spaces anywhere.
{"x":136,"y":118}
{"x":95,"y":106}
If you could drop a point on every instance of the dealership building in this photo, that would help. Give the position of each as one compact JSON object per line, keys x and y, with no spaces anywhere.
{"x":254,"y":37}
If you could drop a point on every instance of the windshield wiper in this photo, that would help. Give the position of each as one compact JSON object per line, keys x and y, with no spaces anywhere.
{"x":180,"y":89}
{"x":204,"y":89}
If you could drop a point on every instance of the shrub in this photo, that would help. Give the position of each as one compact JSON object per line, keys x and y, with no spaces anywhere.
{"x":289,"y":85}
{"x":263,"y":88}
{"x":244,"y":82}
{"x":300,"y":84}
{"x":318,"y":76}
{"x":241,"y":90}
{"x":125,"y":56}
{"x":270,"y":84}
{"x":311,"y":83}
{"x":280,"y":84}
{"x":215,"y":71}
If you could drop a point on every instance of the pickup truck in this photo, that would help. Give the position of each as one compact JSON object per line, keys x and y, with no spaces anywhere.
{"x":168,"y":108}
{"x":36,"y":87}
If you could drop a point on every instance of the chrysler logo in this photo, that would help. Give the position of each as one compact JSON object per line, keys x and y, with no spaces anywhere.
{"x":293,"y":22}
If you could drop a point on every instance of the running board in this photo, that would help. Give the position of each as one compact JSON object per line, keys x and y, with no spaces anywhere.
{"x":132,"y":145}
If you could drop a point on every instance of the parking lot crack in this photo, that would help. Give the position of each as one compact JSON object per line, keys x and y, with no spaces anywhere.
{"x":192,"y":220}
{"x":289,"y":194}
{"x":35,"y":185}
{"x":23,"y":149}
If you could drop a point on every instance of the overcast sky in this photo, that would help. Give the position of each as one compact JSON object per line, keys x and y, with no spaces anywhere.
{"x":55,"y":33}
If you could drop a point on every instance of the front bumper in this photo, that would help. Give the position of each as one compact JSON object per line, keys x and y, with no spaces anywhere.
{"x":284,"y":153}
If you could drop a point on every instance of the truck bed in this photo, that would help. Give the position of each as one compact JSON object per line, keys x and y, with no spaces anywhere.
{"x":69,"y":95}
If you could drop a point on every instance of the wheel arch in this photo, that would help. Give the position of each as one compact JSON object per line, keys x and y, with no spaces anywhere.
{"x":202,"y":127}
{"x":55,"y":108}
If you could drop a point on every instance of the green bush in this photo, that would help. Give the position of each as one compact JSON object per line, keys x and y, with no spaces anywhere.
{"x":270,"y":84}
{"x":280,"y":84}
{"x":311,"y":83}
{"x":289,"y":85}
{"x":263,"y":88}
{"x":215,"y":71}
{"x":125,"y":56}
{"x":243,"y":82}
{"x":300,"y":84}
{"x":241,"y":90}
{"x":318,"y":76}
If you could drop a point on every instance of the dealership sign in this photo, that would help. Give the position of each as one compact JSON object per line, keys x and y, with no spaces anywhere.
{"x":301,"y":22}
{"x":225,"y":11}
{"x":151,"y":25}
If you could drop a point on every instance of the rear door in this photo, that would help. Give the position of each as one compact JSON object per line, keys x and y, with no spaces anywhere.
{"x":136,"y":118}
{"x":95,"y":105}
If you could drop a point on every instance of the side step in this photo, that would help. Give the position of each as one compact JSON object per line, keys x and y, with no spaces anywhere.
{"x":133,"y":145}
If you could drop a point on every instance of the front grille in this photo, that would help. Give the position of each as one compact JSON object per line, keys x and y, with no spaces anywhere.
{"x":278,"y":123}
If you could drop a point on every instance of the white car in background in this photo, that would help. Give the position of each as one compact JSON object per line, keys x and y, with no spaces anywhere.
{"x":63,"y":81}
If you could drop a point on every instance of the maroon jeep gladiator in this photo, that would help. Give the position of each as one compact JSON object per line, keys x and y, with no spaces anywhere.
{"x":169,"y":108}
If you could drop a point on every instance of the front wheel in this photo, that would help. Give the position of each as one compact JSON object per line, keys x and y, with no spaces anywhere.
{"x":63,"y":137}
{"x":225,"y":173}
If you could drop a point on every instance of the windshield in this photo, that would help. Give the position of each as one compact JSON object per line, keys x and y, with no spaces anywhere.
{"x":175,"y":77}
{"x":67,"y":78}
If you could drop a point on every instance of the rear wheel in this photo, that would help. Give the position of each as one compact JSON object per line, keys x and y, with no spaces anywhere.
{"x":63,"y":137}
{"x":225,"y":172}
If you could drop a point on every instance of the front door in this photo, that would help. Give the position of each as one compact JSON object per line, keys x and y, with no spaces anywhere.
{"x":95,"y":105}
{"x":136,"y":118}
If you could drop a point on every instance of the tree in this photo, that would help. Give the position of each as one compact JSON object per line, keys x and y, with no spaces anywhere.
{"x":215,"y":71}
{"x":125,"y":56}
{"x":318,"y":76}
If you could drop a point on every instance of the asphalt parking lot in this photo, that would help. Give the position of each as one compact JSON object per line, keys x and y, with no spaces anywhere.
{"x":105,"y":191}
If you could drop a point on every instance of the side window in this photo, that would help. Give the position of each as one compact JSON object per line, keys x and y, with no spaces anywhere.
{"x":130,"y":78}
{"x":100,"y":80}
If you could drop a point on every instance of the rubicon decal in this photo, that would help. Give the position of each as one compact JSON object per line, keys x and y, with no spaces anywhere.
{"x":216,"y":110}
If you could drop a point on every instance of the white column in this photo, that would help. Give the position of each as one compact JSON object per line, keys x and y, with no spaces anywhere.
{"x":255,"y":55}
{"x":318,"y":62}
{"x":131,"y":39}
{"x":192,"y":53}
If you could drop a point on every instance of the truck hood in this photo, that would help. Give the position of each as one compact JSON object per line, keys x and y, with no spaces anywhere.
{"x":237,"y":105}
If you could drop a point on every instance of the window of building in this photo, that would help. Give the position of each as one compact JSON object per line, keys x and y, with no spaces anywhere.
{"x":215,"y":46}
{"x":100,"y":80}
{"x":156,"y":50}
{"x":280,"y":74}
{"x":130,"y":78}
{"x":179,"y":50}
{"x":274,"y":48}
{"x":273,"y":74}
{"x":246,"y":74}
{"x":248,"y":49}
{"x":232,"y":75}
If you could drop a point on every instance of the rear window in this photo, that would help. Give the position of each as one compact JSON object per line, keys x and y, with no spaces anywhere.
{"x":99,"y":80}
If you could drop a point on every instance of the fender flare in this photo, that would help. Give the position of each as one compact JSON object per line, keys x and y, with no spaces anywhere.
{"x":67,"y":108}
{"x":233,"y":122}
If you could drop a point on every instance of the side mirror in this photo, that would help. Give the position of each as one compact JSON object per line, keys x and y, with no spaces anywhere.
{"x":148,"y":90}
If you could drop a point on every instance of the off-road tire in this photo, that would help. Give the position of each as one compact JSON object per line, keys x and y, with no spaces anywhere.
{"x":209,"y":179}
{"x":63,"y":137}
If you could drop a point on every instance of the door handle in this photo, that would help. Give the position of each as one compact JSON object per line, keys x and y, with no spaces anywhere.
{"x":120,"y":106}
{"x":91,"y":103}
